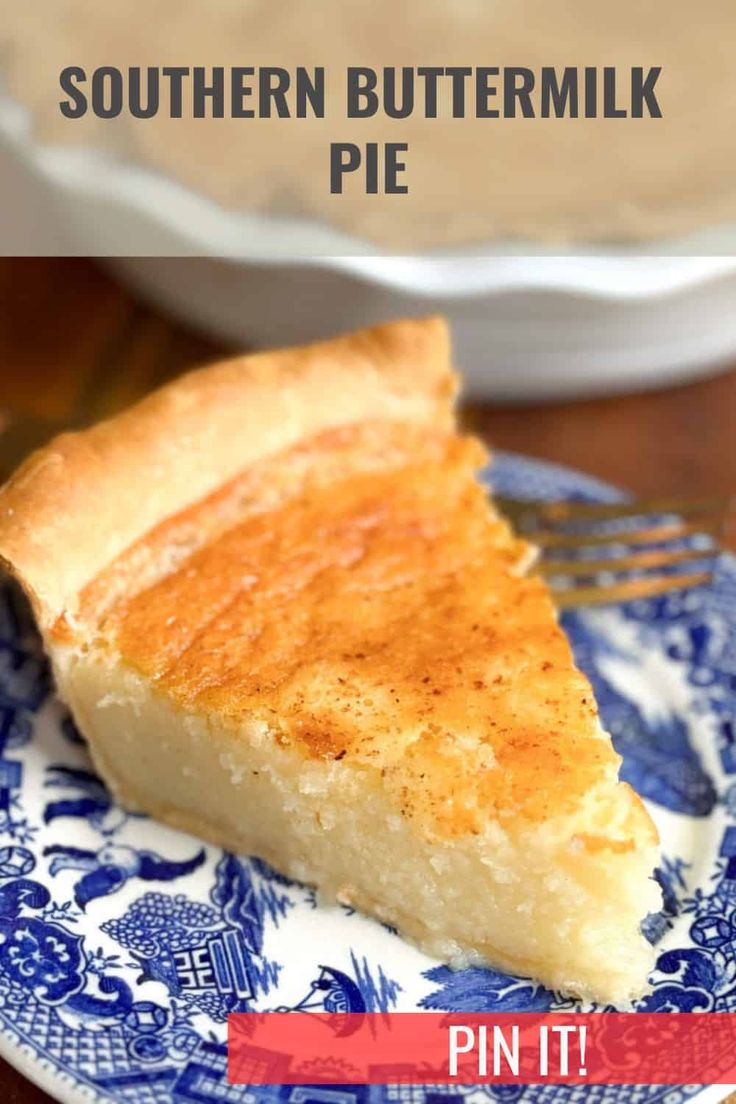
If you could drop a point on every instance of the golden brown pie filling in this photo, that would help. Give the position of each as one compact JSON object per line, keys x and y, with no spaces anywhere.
{"x":377,"y":615}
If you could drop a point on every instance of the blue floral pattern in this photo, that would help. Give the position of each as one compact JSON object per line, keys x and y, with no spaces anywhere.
{"x":43,"y":958}
{"x":124,"y":945}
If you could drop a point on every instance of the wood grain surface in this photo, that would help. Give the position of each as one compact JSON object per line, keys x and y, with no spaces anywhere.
{"x":74,"y":346}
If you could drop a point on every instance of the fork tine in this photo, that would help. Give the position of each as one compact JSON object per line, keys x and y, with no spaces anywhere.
{"x":636,"y":561}
{"x":557,"y":512}
{"x":650,"y":534}
{"x":573,"y":597}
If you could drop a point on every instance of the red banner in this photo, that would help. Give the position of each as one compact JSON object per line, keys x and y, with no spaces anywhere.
{"x":292,"y":1048}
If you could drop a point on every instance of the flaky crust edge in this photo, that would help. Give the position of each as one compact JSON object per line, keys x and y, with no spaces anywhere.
{"x":77,"y":503}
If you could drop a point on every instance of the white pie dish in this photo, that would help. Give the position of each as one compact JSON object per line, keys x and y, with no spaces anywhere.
{"x":528,"y":323}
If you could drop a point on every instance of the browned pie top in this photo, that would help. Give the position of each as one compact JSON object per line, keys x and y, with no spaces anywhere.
{"x":360,"y":596}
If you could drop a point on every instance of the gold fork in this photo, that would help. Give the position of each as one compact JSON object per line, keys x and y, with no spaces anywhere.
{"x":594,"y":553}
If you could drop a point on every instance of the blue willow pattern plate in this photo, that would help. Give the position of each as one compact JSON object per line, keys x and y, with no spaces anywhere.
{"x":124,"y":945}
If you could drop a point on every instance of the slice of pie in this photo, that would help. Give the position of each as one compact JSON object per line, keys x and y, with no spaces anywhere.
{"x":287,"y":619}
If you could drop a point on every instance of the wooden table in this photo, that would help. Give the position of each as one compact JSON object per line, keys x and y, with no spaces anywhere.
{"x":74,"y":346}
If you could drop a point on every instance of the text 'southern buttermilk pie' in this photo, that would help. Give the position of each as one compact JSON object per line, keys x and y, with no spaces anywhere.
{"x":287,"y":619}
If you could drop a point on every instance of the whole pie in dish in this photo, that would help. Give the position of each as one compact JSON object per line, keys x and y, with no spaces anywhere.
{"x":566,"y":174}
{"x":287,"y":619}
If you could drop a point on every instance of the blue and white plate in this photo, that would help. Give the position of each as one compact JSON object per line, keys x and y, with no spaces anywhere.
{"x":124,"y":944}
